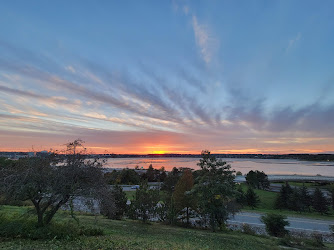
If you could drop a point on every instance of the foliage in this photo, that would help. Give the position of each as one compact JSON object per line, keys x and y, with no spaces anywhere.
{"x":275,"y":224}
{"x":166,"y":210}
{"x":182,"y":198}
{"x":15,"y":225}
{"x":296,"y":200}
{"x":113,"y":203}
{"x":124,"y":177}
{"x":331,"y":191}
{"x":51,"y":181}
{"x":257,"y":179}
{"x":247,"y":229}
{"x":252,"y":199}
{"x":144,"y":204}
{"x":305,"y":199}
{"x":4,"y":162}
{"x":320,"y":202}
{"x":215,"y":190}
{"x":170,"y":181}
{"x":317,"y":239}
{"x":238,"y":173}
{"x":284,"y":196}
{"x":240,"y":196}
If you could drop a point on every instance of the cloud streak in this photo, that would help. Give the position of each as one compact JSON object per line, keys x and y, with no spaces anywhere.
{"x":114,"y":103}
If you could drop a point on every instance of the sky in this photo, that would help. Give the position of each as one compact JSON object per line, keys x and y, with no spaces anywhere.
{"x":168,"y":76}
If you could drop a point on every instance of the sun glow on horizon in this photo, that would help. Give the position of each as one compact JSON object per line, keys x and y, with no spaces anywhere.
{"x":160,"y":152}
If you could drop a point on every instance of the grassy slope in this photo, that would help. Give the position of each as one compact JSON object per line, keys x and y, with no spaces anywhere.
{"x":136,"y":235}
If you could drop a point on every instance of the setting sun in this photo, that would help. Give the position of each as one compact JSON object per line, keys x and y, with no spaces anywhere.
{"x":159,"y":152}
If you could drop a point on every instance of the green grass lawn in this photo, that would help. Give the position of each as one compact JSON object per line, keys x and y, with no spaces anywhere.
{"x":130,"y":194}
{"x":129,"y":234}
{"x":267,"y":206}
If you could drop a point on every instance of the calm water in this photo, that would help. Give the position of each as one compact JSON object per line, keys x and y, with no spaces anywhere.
{"x":269,"y":166}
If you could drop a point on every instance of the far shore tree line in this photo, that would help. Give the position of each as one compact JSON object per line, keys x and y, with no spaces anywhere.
{"x":204,"y":198}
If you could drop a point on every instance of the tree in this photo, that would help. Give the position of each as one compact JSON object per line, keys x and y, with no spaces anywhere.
{"x":150,"y":174}
{"x":215,"y":190}
{"x":305,"y":198}
{"x":320,"y":203}
{"x":284,"y":197}
{"x":145,"y":202}
{"x":51,"y":181}
{"x":331,"y":191}
{"x":240,"y":196}
{"x":181,"y":196}
{"x":275,"y":224}
{"x":295,"y":200}
{"x":252,"y":199}
{"x":162,"y":174}
{"x":170,"y":181}
{"x":113,"y":205}
{"x":257,"y":179}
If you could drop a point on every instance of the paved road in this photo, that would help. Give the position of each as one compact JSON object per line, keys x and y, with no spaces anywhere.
{"x":295,"y":223}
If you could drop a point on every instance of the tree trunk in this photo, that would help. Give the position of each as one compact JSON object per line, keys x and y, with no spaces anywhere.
{"x":53,"y":211}
{"x":40,"y":222}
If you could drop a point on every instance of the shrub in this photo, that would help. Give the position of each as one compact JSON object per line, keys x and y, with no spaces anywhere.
{"x":317,"y":240}
{"x":247,"y":229}
{"x":275,"y":224}
{"x":15,"y":226}
{"x":290,"y":241}
{"x":331,"y":228}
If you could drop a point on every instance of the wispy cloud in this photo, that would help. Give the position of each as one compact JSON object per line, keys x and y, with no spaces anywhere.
{"x":206,"y":42}
{"x":95,"y":101}
{"x":293,"y":41}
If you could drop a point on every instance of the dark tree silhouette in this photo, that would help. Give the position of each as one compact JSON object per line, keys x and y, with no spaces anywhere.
{"x":320,"y":203}
{"x":252,"y":199}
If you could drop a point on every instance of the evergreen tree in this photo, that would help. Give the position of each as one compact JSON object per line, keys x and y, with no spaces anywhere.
{"x":305,"y":198}
{"x":284,"y":197}
{"x":295,"y":200}
{"x":252,"y":199}
{"x":320,"y":203}
{"x":240,"y":196}
{"x":331,"y":191}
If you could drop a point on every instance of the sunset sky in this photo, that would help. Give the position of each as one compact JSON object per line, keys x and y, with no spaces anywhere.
{"x":168,"y":76}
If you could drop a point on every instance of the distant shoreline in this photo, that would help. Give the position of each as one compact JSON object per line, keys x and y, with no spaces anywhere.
{"x":302,"y":157}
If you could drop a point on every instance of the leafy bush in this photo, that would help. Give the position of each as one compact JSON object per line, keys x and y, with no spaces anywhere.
{"x":247,"y":229}
{"x":317,"y":239}
{"x":15,"y":226}
{"x":275,"y":224}
{"x":331,"y":228}
{"x":290,"y":241}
